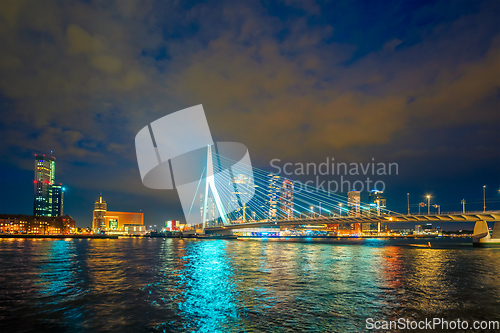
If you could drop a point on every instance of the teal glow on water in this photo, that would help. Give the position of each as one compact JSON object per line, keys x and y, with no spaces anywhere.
{"x":165,"y":285}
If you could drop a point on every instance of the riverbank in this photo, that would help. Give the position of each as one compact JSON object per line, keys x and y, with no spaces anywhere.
{"x":60,"y":236}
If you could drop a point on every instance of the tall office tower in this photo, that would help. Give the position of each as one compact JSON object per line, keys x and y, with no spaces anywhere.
{"x":44,"y":179}
{"x":242,"y":190}
{"x":100,"y":209}
{"x":354,"y":202}
{"x":286,"y":199}
{"x":211,"y":217}
{"x":377,"y":202}
{"x":273,"y":194}
{"x":57,"y":200}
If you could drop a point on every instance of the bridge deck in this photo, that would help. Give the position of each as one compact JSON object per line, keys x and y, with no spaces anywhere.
{"x":492,"y":216}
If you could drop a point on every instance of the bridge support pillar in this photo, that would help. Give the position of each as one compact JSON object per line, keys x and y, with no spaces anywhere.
{"x":482,"y":233}
{"x":496,"y":231}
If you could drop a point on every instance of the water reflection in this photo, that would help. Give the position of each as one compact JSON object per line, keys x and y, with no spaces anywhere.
{"x":196,"y":278}
{"x":58,"y":272}
{"x":209,"y":291}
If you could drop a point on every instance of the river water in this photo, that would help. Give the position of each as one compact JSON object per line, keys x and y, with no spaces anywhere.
{"x":165,"y":285}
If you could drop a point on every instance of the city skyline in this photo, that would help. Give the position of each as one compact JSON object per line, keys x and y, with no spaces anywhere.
{"x":278,"y":201}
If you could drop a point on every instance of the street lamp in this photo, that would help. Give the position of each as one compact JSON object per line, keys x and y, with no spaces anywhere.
{"x":340,"y":209}
{"x":312,"y":210}
{"x":408,"y":196}
{"x":484,"y":198}
{"x":439,"y":208}
{"x":428,"y":204}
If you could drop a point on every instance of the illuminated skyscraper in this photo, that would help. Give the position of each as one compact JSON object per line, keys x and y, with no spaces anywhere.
{"x":354,"y":202}
{"x":100,"y":208}
{"x":286,"y":200}
{"x":57,"y":200}
{"x":44,"y":179}
{"x":377,"y":207}
{"x":273,"y":194}
{"x":48,"y":197}
{"x":243,"y":186}
{"x":377,"y":202}
{"x":211,"y":212}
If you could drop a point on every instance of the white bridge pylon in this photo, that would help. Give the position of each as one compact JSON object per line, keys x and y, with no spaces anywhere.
{"x":210,"y":184}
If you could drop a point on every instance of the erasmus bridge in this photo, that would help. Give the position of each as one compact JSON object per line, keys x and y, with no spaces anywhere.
{"x":221,"y":192}
{"x":254,"y":198}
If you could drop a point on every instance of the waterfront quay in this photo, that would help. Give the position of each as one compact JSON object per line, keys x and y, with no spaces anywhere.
{"x":59,"y":236}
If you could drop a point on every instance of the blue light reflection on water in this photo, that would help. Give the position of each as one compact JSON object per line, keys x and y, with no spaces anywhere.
{"x":209,"y":289}
{"x":57,"y":270}
{"x":60,"y":283}
{"x":195,"y":280}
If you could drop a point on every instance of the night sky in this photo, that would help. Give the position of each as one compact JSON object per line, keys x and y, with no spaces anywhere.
{"x":410,"y":82}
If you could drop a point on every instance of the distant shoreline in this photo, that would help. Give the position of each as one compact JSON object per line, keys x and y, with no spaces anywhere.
{"x":276,"y":238}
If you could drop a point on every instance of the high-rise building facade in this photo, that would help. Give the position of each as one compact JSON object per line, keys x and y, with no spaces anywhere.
{"x":354,"y":203}
{"x":286,"y":200}
{"x":377,"y":202}
{"x":245,"y":184}
{"x":49,"y":198}
{"x":57,"y":200}
{"x":243,"y":190}
{"x":273,"y":195}
{"x":100,"y":209}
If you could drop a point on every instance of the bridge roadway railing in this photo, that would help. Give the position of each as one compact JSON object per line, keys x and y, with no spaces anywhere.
{"x":475,"y":212}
